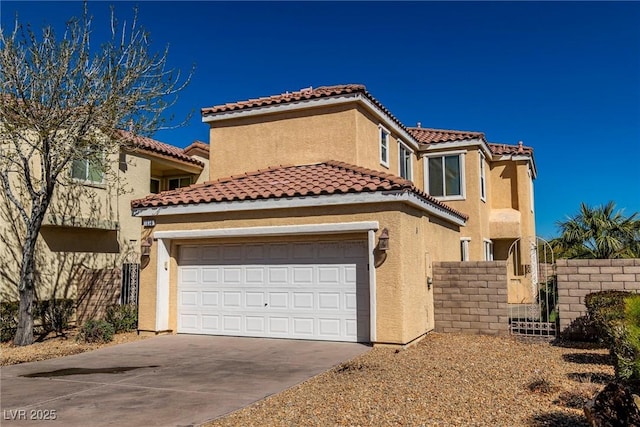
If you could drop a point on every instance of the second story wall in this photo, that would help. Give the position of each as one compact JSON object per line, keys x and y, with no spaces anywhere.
{"x":246,"y":144}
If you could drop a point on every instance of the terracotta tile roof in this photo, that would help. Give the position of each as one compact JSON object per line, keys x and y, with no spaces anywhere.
{"x":154,"y":146}
{"x":431,"y":136}
{"x":301,"y":95}
{"x":504,"y":149}
{"x":199,"y":145}
{"x":330,"y":177}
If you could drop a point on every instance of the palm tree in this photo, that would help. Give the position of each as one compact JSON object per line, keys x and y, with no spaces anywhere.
{"x":600,"y":232}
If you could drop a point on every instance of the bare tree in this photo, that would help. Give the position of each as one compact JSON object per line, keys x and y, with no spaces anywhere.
{"x":61,"y":100}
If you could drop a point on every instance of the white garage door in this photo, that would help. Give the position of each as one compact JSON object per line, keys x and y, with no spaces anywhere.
{"x":316,"y":291}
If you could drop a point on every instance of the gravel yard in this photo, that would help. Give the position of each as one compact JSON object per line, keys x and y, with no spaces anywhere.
{"x":53,"y":346}
{"x":445,"y":380}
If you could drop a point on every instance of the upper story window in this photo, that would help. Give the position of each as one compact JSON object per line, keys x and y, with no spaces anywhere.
{"x":445,"y":176}
{"x":483,"y":183}
{"x":87,"y":170}
{"x":173,"y":183}
{"x":384,"y":146}
{"x":406,"y":170}
{"x":154,"y":186}
{"x":488,"y":250}
{"x":464,"y":248}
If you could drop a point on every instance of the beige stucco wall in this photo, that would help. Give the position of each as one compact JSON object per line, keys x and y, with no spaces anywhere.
{"x":346,"y":133}
{"x":404,"y":305}
{"x":88,"y":227}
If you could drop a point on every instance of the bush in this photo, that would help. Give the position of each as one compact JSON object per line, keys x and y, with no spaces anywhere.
{"x":616,"y":315}
{"x":8,"y":319}
{"x":124,"y":318}
{"x":99,"y":331}
{"x":605,"y":309}
{"x":54,"y":314}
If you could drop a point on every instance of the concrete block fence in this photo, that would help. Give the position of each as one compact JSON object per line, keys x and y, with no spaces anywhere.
{"x":579,"y":277}
{"x":471,"y":297}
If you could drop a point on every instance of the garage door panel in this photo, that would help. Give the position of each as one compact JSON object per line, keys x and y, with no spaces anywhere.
{"x":279,"y":300}
{"x":299,"y":290}
{"x":254,"y":300}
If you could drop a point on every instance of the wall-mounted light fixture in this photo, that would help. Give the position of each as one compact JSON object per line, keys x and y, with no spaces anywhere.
{"x":383,"y":240}
{"x":145,"y":247}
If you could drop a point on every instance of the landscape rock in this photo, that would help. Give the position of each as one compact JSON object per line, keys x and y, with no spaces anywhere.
{"x":615,"y":406}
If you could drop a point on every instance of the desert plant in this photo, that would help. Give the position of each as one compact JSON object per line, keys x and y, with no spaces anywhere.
{"x":8,"y":320}
{"x":123,"y":317}
{"x":616,"y":315}
{"x":96,"y":331}
{"x":54,"y":314}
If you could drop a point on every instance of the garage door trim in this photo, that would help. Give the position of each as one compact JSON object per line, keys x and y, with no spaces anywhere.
{"x":164,"y":243}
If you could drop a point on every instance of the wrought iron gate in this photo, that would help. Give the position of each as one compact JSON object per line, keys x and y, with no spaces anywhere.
{"x":532,"y":288}
{"x":130,"y":283}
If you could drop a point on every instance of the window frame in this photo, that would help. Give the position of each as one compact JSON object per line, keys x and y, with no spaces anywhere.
{"x":159,"y":181}
{"x":401,"y":159}
{"x":181,"y":177}
{"x":87,"y":169}
{"x":384,"y":161}
{"x":465,"y":243}
{"x":463,"y":187}
{"x":483,"y":177}
{"x":487,"y":249}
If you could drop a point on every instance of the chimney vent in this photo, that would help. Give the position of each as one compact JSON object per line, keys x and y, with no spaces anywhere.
{"x":418,"y":125}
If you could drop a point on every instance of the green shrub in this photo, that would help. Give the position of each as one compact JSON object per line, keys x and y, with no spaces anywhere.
{"x":8,"y":319}
{"x":54,"y":314}
{"x":605,"y":309}
{"x":616,"y":315}
{"x":96,"y":331}
{"x":124,"y":318}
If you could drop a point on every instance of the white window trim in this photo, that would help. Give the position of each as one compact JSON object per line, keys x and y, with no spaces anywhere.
{"x":464,"y":248}
{"x":179,"y":177}
{"x":531,"y":198}
{"x":383,"y":162}
{"x":483,"y":177}
{"x":87,"y":181}
{"x":463,"y":184}
{"x":159,"y":181}
{"x":487,"y":249}
{"x":402,"y":145}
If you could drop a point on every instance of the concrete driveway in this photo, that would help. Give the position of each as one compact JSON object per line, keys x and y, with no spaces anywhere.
{"x":175,"y":380}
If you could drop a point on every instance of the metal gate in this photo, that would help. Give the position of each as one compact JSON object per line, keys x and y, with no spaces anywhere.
{"x":532,"y":288}
{"x":130,"y":283}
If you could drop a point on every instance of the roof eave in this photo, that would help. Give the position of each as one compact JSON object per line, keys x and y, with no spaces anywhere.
{"x":389,"y":196}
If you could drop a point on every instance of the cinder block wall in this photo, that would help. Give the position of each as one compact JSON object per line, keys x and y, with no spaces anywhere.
{"x":471,"y":297}
{"x":579,"y":277}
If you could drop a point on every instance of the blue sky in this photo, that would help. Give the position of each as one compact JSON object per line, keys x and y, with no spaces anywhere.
{"x":563,"y":77}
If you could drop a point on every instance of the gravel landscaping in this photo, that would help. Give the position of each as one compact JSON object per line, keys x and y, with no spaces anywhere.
{"x":445,"y":380}
{"x":54,"y":346}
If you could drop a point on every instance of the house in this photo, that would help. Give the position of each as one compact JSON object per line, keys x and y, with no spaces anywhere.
{"x":89,"y":245}
{"x":322,"y":219}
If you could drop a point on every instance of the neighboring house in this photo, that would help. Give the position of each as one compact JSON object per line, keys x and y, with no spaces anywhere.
{"x":89,"y":245}
{"x":322,"y":219}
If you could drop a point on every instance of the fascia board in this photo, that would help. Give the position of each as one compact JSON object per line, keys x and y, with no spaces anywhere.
{"x":302,"y":202}
{"x":275,"y":230}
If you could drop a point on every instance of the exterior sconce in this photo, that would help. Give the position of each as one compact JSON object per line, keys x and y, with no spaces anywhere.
{"x":383,"y":240}
{"x":145,"y":247}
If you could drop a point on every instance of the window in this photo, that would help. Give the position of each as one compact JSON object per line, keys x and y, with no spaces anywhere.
{"x":384,"y":147}
{"x":445,"y":175}
{"x":488,"y":250}
{"x":174,"y":183}
{"x":87,"y":170}
{"x":483,"y":185}
{"x":531,"y":189}
{"x":154,"y":186}
{"x":405,"y":162}
{"x":464,"y":249}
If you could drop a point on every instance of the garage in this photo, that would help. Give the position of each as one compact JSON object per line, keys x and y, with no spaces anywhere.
{"x":300,"y":290}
